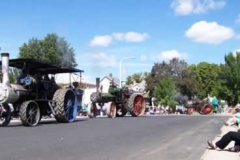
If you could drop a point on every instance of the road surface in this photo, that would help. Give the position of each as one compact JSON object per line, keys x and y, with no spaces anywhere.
{"x":168,"y":137}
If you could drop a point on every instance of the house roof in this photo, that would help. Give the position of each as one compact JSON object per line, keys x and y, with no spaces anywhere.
{"x":142,"y":85}
{"x":116,"y":80}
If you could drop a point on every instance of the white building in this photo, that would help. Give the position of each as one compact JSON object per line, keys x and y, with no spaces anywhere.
{"x":138,"y":87}
{"x":106,"y":80}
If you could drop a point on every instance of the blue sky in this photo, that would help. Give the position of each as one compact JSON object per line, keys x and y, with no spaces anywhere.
{"x":103,"y":32}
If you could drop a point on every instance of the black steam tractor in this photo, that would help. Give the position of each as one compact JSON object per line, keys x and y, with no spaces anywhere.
{"x":35,"y":94}
{"x":118,"y":101}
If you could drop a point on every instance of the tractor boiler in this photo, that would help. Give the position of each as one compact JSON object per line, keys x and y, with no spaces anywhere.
{"x":10,"y":93}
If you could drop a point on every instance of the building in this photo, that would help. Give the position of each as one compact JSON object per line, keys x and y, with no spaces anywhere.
{"x":138,"y":87}
{"x":106,"y":80}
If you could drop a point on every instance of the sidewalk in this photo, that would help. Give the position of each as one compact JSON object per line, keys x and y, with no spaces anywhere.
{"x":221,"y":155}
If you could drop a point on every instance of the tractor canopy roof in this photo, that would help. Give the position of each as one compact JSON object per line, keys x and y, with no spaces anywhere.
{"x":35,"y":66}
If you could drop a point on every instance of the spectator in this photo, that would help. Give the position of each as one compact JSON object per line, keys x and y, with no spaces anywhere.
{"x":215,"y":104}
{"x":225,"y":140}
{"x":236,"y":108}
{"x":235,"y":119}
{"x":220,"y":108}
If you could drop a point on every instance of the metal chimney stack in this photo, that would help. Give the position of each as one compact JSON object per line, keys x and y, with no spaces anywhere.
{"x":5,"y":67}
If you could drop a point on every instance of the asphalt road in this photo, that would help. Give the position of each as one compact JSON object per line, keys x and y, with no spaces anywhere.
{"x":143,"y":138}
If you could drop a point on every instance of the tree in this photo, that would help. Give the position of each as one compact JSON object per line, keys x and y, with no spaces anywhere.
{"x":187,"y":84}
{"x":52,"y":49}
{"x":207,"y":75}
{"x":179,"y":71}
{"x":165,"y":91}
{"x":13,"y":74}
{"x":136,"y":77}
{"x":231,"y":77}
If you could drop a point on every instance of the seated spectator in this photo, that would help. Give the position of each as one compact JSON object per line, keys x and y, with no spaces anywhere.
{"x":235,"y":119}
{"x":225,"y":140}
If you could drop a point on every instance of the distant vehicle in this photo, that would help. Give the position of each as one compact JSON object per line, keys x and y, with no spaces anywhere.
{"x":118,"y":101}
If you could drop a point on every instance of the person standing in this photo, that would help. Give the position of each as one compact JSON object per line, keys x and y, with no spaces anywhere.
{"x":215,"y":104}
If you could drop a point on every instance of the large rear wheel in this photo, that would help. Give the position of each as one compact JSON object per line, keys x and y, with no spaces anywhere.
{"x":65,"y":107}
{"x":207,"y":109}
{"x":29,"y":113}
{"x":136,"y":105}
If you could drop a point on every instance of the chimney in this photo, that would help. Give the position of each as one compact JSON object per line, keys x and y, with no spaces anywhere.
{"x":110,"y":75}
{"x":5,"y":66}
{"x":97,"y":84}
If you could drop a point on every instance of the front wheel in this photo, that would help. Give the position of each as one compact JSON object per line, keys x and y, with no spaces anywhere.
{"x":5,"y":115}
{"x":111,"y":109}
{"x":92,"y":110}
{"x":29,"y":113}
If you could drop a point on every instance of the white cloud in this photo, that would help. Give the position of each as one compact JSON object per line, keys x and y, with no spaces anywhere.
{"x":238,"y":36}
{"x":131,"y":36}
{"x":106,"y":40}
{"x":170,"y":54}
{"x":104,"y":60}
{"x":102,"y":41}
{"x":119,"y":36}
{"x":143,"y":57}
{"x":209,"y":32}
{"x":136,"y":37}
{"x":186,"y":7}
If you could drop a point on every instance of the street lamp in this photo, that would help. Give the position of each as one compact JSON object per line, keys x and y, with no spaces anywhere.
{"x":120,"y":68}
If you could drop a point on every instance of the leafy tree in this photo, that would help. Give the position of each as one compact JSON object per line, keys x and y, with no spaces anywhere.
{"x":231,"y":78}
{"x":165,"y":91}
{"x":13,"y":74}
{"x":179,"y":71}
{"x":187,"y":84}
{"x":52,"y":48}
{"x":208,"y":76}
{"x":136,"y":77}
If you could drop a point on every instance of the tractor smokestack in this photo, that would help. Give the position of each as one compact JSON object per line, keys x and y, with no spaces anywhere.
{"x":5,"y":67}
{"x":97,"y":84}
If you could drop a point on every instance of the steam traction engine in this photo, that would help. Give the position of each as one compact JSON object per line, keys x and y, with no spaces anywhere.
{"x":35,"y":94}
{"x":199,"y":106}
{"x":118,"y":101}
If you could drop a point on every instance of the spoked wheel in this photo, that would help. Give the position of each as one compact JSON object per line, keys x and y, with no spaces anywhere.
{"x":111,"y":109}
{"x":92,"y":110}
{"x":207,"y":109}
{"x":29,"y":113}
{"x":5,"y":115}
{"x":121,"y":111}
{"x":136,"y":105}
{"x":65,"y":108}
{"x":94,"y":97}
